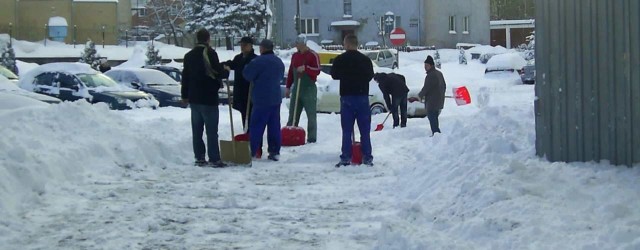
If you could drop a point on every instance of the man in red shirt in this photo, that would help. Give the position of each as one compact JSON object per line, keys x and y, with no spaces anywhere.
{"x":305,"y":65}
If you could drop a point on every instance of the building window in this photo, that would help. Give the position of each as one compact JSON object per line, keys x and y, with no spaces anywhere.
{"x":347,"y":7}
{"x":465,"y":22}
{"x":309,"y":26}
{"x":452,"y":24}
{"x":142,"y":12}
{"x":382,"y":23}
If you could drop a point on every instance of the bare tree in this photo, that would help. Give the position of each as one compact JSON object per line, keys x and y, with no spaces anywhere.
{"x":167,"y":16}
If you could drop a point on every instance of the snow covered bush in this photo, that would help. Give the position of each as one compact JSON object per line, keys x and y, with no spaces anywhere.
{"x":436,"y":58}
{"x":90,"y":55}
{"x":8,"y":59}
{"x":462,"y":59}
{"x":153,"y":57}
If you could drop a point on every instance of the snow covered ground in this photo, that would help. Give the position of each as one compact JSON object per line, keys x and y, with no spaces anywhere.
{"x":80,"y":176}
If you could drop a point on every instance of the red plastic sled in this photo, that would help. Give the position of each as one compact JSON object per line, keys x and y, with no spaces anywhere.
{"x":293,"y":136}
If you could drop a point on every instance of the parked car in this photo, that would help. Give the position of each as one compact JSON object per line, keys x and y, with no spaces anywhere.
{"x":164,"y":88}
{"x":384,"y":58}
{"x":8,"y":87}
{"x":8,"y":74}
{"x":507,"y":66}
{"x":76,"y":81}
{"x":528,"y":74}
{"x":329,"y":96}
{"x":174,"y":73}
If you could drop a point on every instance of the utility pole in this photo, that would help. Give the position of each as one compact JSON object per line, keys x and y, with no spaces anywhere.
{"x":298,"y":17}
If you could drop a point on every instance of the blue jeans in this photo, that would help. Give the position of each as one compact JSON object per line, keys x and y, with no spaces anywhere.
{"x":352,"y":109}
{"x":205,"y":116}
{"x":268,"y":117}
{"x":433,"y":120}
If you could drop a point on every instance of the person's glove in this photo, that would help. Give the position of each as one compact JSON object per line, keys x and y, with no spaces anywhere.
{"x":300,"y":69}
{"x":287,"y":93}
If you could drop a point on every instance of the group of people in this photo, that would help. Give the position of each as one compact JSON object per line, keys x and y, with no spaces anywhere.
{"x":258,"y":98}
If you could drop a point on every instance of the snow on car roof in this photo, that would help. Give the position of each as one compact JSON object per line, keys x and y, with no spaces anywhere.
{"x":69,"y":68}
{"x":146,"y":75}
{"x":506,"y":62}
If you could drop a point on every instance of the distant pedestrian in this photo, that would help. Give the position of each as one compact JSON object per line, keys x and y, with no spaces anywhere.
{"x":433,"y":93}
{"x":394,"y":90}
{"x":305,"y":66}
{"x":266,"y":73}
{"x":355,"y":71}
{"x":201,"y":80}
{"x":240,"y":84}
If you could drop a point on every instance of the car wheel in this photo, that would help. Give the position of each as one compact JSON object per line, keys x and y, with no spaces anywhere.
{"x":377,"y":108}
{"x":395,"y":66}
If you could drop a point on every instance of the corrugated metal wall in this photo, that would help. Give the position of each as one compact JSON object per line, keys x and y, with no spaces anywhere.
{"x":588,"y":80}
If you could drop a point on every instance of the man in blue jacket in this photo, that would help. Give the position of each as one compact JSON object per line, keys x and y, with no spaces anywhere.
{"x":266,"y":72}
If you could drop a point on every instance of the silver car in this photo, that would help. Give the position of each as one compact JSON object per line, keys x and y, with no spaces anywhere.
{"x":382,"y":58}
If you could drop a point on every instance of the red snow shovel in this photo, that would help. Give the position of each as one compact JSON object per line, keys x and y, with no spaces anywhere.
{"x":461,"y":95}
{"x":294,"y":135}
{"x":245,"y":136}
{"x":381,"y":125}
{"x":356,"y":150}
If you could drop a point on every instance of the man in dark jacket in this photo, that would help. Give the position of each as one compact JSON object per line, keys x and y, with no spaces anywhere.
{"x":433,"y":93}
{"x":394,"y":90}
{"x":240,"y":84}
{"x":201,"y":80}
{"x":266,"y":73}
{"x":355,"y":71}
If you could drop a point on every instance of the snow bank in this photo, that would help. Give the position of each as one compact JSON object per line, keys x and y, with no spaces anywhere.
{"x":65,"y":144}
{"x":136,"y":60}
{"x":24,"y":67}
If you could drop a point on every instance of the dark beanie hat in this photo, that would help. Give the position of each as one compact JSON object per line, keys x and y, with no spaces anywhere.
{"x":429,"y":60}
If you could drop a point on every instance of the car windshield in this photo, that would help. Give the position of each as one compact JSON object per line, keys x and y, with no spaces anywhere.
{"x":372,"y":55}
{"x":96,"y":80}
{"x":153,"y":77}
{"x":8,"y":74}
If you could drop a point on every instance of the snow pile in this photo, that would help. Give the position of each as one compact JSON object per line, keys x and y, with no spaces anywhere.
{"x":24,"y":67}
{"x":136,"y":60}
{"x":65,"y":144}
{"x":479,"y":186}
{"x":57,"y":21}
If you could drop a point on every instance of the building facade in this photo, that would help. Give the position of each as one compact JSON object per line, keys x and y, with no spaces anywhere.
{"x":442,"y":23}
{"x":85,"y":19}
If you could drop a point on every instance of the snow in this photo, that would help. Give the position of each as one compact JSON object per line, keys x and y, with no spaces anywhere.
{"x":345,"y":23}
{"x":506,"y":61}
{"x":11,"y":102}
{"x":147,"y":76}
{"x":26,"y":80}
{"x":371,"y":43}
{"x":57,"y":21}
{"x":512,"y":22}
{"x":97,"y":1}
{"x":81,"y":176}
{"x":485,"y":49}
{"x":136,"y":60}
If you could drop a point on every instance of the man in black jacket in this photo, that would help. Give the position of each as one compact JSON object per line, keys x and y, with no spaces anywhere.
{"x":201,"y":80}
{"x":240,"y":84}
{"x":433,"y":93}
{"x":394,"y":90}
{"x":354,"y":70}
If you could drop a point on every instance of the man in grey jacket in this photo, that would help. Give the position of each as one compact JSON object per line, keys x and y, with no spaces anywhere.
{"x":433,"y":93}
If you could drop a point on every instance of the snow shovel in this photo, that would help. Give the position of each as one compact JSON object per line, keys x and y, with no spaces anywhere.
{"x":461,"y":95}
{"x":294,"y":135}
{"x":245,"y":136}
{"x":356,"y":150}
{"x":381,"y":125}
{"x":236,"y":152}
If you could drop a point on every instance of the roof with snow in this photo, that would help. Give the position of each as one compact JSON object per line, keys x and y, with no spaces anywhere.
{"x":345,"y":23}
{"x":58,"y":21}
{"x":499,"y":24}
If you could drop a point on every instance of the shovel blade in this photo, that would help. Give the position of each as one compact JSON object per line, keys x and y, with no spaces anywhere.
{"x":380,"y":127}
{"x":237,"y":152}
{"x":461,"y":95}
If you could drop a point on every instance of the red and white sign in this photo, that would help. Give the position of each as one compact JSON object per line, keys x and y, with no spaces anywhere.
{"x":398,"y":36}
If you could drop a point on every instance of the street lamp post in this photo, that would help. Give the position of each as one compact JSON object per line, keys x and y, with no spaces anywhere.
{"x":10,"y":34}
{"x":75,"y":31}
{"x":126,"y":38}
{"x":103,"y":36}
